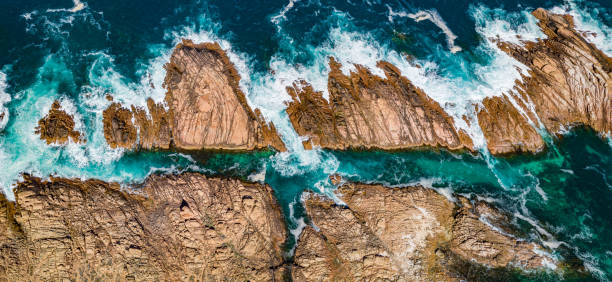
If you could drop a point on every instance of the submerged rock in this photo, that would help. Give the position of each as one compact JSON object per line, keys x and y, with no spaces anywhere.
{"x":172,"y":228}
{"x":408,"y":233}
{"x":58,"y":126}
{"x":367,"y":111}
{"x":569,"y":80}
{"x":206,"y":108}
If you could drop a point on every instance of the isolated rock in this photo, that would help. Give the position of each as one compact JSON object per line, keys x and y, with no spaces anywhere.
{"x":506,"y":129}
{"x":367,"y":111}
{"x":58,"y":126}
{"x":408,"y":233}
{"x":172,"y":228}
{"x":206,"y":110}
{"x":569,"y":80}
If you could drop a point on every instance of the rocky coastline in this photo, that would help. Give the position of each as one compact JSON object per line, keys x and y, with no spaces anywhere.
{"x":193,"y":227}
{"x":189,"y":226}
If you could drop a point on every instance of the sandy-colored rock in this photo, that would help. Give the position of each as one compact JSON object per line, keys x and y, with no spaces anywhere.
{"x":206,"y":110}
{"x":119,"y":130}
{"x":367,"y":111}
{"x":506,"y":129}
{"x":185,"y":227}
{"x":411,"y":233}
{"x":58,"y":126}
{"x":569,"y":80}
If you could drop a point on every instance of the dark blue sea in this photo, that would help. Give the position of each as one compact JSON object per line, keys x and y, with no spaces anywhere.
{"x":77,"y":52}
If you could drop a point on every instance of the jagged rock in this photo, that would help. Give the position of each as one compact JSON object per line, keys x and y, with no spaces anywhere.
{"x":185,"y":227}
{"x":408,"y":233}
{"x":119,"y":130}
{"x":506,"y":129}
{"x":58,"y":126}
{"x":569,"y":80}
{"x":367,"y":111}
{"x":206,"y":108}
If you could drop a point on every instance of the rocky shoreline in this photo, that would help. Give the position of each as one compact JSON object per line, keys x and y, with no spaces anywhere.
{"x":191,"y":227}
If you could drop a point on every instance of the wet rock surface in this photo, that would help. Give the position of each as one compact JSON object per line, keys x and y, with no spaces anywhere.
{"x":367,"y":111}
{"x":172,"y":228}
{"x":569,"y":80}
{"x":408,"y":233}
{"x":57,"y":127}
{"x":206,"y":110}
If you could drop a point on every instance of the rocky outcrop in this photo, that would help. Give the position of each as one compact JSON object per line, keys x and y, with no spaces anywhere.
{"x":57,"y":127}
{"x":131,"y":128}
{"x":569,"y":80}
{"x":506,"y":129}
{"x":408,"y":233}
{"x":185,"y":227}
{"x":206,"y":108}
{"x":367,"y":111}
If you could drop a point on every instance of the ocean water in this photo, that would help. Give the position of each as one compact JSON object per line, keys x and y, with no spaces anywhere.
{"x":79,"y":51}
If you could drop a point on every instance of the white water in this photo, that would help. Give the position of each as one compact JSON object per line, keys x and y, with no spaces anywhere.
{"x":5,"y":98}
{"x":435,"y":18}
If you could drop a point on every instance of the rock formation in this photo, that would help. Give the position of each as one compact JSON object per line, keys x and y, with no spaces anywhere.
{"x":58,"y":126}
{"x":367,"y":111}
{"x":569,"y":80}
{"x":206,"y":108}
{"x":185,"y":227}
{"x":506,"y":129}
{"x":408,"y":233}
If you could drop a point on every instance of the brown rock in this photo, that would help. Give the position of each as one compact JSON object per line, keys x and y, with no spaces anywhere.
{"x":505,"y":129}
{"x":185,"y":227}
{"x":119,"y":130}
{"x":569,"y":80}
{"x":366,"y":111}
{"x":57,"y":126}
{"x":206,"y":108}
{"x":408,"y":233}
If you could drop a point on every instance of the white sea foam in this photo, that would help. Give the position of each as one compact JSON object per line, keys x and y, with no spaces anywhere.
{"x":5,"y":98}
{"x":259,"y":176}
{"x":435,"y":18}
{"x":78,"y":6}
{"x":281,"y":15}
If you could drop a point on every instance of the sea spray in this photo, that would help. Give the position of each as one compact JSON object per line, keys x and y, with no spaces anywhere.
{"x":5,"y":98}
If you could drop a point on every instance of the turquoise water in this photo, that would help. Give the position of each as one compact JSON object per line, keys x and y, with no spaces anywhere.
{"x":52,"y":50}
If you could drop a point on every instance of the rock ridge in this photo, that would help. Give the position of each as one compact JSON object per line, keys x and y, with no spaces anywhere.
{"x":410,"y":233}
{"x":206,"y":109}
{"x":569,"y":80}
{"x":370,"y":112}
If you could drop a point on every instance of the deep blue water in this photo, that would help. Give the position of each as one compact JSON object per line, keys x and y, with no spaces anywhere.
{"x":560,"y":198}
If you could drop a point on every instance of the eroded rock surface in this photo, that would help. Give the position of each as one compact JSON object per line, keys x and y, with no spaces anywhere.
{"x":506,"y":129}
{"x":569,"y":80}
{"x":206,"y":108}
{"x":58,"y":126}
{"x":411,"y":233}
{"x":367,"y":111}
{"x":185,"y":227}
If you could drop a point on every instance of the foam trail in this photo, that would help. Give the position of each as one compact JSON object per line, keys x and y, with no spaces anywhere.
{"x":78,"y":6}
{"x":281,"y":15}
{"x":5,"y":98}
{"x":435,"y":18}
